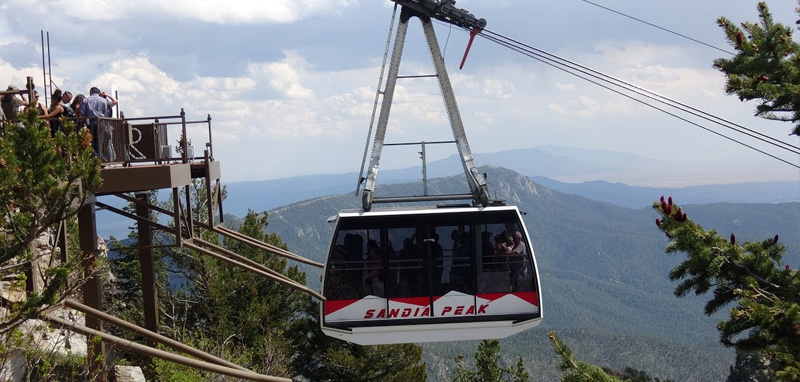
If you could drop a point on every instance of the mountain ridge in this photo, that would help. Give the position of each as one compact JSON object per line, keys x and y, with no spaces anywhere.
{"x":602,"y":266}
{"x":548,"y":165}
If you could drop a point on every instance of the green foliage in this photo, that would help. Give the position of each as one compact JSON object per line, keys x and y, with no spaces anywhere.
{"x":766,"y":67}
{"x":487,"y":366}
{"x":574,"y":370}
{"x":603,"y":274}
{"x":246,"y":318}
{"x":172,"y":372}
{"x":44,"y":181}
{"x":317,"y":357}
{"x":763,"y":291}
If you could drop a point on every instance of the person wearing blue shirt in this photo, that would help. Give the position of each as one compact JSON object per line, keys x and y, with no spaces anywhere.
{"x":97,"y":104}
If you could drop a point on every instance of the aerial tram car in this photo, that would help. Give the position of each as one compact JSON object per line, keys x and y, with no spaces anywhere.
{"x":429,"y":273}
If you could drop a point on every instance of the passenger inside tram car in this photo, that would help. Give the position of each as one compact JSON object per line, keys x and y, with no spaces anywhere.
{"x":341,"y":283}
{"x":463,"y":274}
{"x":487,"y":252}
{"x":447,"y":259}
{"x":373,"y":275}
{"x":402,"y":278}
{"x":354,"y":246}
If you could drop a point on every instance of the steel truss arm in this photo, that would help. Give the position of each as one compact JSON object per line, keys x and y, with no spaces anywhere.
{"x":475,"y":179}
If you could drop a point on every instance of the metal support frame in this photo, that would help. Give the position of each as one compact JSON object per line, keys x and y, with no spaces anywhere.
{"x":149,"y":294}
{"x":87,"y":228}
{"x":126,"y":344}
{"x":475,"y":180}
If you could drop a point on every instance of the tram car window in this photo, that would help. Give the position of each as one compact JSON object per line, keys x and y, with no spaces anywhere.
{"x":456,"y":269}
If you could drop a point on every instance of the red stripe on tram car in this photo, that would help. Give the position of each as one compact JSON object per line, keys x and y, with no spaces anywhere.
{"x":332,"y":306}
{"x":419,"y":301}
{"x":529,"y":297}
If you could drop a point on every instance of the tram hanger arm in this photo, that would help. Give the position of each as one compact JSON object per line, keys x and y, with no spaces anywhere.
{"x":472,"y":33}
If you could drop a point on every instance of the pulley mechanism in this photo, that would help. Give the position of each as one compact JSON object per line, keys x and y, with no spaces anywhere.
{"x":444,"y":10}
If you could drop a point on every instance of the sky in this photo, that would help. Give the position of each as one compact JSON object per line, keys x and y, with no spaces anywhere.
{"x":290,"y":84}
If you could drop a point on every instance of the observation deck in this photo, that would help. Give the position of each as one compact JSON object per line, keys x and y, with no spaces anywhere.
{"x":149,"y":153}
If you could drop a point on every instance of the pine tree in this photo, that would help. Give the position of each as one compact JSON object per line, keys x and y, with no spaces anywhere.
{"x":317,"y":357}
{"x":574,"y":370}
{"x":44,"y":180}
{"x":763,"y":292}
{"x":488,"y":368}
{"x":251,"y":320}
{"x":766,"y":67}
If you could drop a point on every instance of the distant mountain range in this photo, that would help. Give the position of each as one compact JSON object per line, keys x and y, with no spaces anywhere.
{"x":603,"y":269}
{"x":543,"y":164}
{"x":639,"y":197}
{"x":601,"y":259}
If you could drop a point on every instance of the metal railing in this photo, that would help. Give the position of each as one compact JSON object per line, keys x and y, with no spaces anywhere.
{"x":150,"y":140}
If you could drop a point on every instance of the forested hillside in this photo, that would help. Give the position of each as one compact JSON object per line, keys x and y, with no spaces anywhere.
{"x":604,"y":276}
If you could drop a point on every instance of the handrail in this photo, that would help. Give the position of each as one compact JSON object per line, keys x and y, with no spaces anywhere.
{"x":150,"y":335}
{"x":293,"y":284}
{"x":154,"y":118}
{"x":139,"y":348}
{"x":133,"y":140}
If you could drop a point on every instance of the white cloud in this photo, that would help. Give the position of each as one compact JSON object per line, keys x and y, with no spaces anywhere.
{"x":210,"y":11}
{"x":284,"y":76}
{"x":556,"y":108}
{"x":565,"y":87}
{"x":309,"y":108}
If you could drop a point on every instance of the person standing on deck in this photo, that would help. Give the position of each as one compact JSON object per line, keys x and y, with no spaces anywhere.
{"x":98,"y":104}
{"x":11,"y":104}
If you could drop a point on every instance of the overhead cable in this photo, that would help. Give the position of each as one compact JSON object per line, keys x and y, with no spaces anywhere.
{"x":570,"y":65}
{"x":659,"y":27}
{"x":640,"y":101}
{"x":588,"y":73}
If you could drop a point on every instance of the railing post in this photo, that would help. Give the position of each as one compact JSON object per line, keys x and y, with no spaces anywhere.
{"x":156,"y":143}
{"x":210,"y":145}
{"x":185,"y":141}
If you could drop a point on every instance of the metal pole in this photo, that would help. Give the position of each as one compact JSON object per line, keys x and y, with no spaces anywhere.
{"x":258,"y":244}
{"x":123,"y":343}
{"x":44,"y":76}
{"x":209,"y":191}
{"x":424,"y":170}
{"x":210,"y":143}
{"x":138,"y":330}
{"x":49,"y":69}
{"x":87,"y":228}
{"x":176,"y":215}
{"x":185,"y":143}
{"x":149,"y":295}
{"x":375,"y":104}
{"x":217,"y":256}
{"x":477,"y":184}
{"x":386,"y":106}
{"x":245,"y":260}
